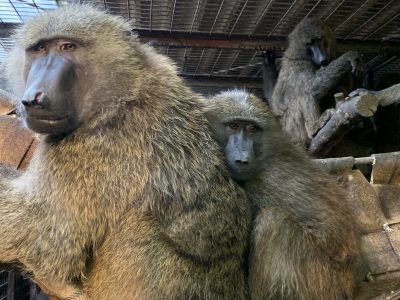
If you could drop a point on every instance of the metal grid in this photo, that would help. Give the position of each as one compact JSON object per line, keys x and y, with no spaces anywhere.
{"x":362,"y":20}
{"x":351,"y":19}
{"x":18,"y":11}
{"x":3,"y":285}
{"x":14,"y":287}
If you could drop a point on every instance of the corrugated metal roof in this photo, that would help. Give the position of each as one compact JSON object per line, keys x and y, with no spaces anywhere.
{"x":262,"y":21}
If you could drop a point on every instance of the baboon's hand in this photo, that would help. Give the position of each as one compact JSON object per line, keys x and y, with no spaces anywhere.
{"x":269,"y":57}
{"x":355,"y":61}
{"x":8,"y":172}
{"x":358,"y":92}
{"x":325,"y":117}
{"x":59,"y":290}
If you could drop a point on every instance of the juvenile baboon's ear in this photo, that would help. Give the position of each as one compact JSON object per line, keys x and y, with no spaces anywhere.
{"x":129,"y":33}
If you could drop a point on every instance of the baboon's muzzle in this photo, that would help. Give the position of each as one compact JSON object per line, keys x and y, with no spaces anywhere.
{"x":47,"y":101}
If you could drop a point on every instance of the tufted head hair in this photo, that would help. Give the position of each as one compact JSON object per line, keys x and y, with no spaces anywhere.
{"x":69,"y":22}
{"x":238,"y":104}
{"x":304,"y":33}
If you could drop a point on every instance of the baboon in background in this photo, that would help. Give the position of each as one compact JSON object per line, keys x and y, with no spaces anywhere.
{"x":270,"y":73}
{"x":307,"y":74}
{"x":128,"y":196}
{"x":304,"y":244}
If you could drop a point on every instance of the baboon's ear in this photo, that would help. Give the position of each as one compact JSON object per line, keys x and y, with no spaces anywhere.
{"x":129,"y":33}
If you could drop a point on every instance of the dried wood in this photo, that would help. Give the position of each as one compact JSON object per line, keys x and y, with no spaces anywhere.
{"x":394,"y":295}
{"x":346,"y":115}
{"x":7,"y":102}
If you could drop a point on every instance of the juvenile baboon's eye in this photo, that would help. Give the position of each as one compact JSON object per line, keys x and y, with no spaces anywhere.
{"x":233,"y":126}
{"x":252,"y":128}
{"x":39,"y":47}
{"x":68,"y":47}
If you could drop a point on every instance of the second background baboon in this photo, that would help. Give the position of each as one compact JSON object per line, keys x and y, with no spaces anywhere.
{"x":304,"y":242}
{"x":309,"y":73}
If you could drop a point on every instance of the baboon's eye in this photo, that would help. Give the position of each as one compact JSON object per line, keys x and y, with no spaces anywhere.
{"x":233,"y":126}
{"x":39,"y":47}
{"x":252,"y":128}
{"x":68,"y":47}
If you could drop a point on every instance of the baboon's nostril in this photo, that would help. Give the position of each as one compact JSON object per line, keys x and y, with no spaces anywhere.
{"x":37,"y":100}
{"x":37,"y":97}
{"x":241,"y":162}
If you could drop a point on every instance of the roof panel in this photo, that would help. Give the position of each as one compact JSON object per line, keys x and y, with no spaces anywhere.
{"x":262,"y":20}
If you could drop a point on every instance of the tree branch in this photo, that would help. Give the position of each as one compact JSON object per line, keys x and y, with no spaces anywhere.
{"x":346,"y":115}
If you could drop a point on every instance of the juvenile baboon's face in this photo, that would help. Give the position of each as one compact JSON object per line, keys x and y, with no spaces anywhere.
{"x":242,"y":147}
{"x":51,"y":74}
{"x":245,"y":130}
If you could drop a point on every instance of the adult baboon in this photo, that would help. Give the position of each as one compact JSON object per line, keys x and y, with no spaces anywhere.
{"x":304,"y":244}
{"x":308,"y":73}
{"x":127,"y":196}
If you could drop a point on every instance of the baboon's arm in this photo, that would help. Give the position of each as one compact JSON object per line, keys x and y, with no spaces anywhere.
{"x":311,"y":114}
{"x":327,"y":77}
{"x":269,"y":81}
{"x":14,"y":217}
{"x":206,"y":231}
{"x":269,"y":75}
{"x":31,"y":235}
{"x":18,"y":229}
{"x":7,"y":173}
{"x":313,"y":118}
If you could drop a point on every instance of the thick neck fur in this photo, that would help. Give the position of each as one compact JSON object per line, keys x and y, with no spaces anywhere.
{"x":137,"y":130}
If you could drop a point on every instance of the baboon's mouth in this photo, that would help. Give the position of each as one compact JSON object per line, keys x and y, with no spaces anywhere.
{"x":49,"y":124}
{"x":47,"y":119}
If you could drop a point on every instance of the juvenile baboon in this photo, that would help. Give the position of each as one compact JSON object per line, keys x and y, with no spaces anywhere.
{"x":308,"y":73}
{"x":127,"y":196}
{"x":304,"y":245}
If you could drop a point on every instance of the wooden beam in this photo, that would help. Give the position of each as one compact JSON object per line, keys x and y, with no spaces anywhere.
{"x":183,"y":40}
{"x":223,"y":82}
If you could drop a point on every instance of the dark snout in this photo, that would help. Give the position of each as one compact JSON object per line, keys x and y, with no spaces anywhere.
{"x":48,"y":79}
{"x":240,"y":155}
{"x":49,"y":88}
{"x":319,"y":55}
{"x":324,"y":62}
{"x":243,"y":157}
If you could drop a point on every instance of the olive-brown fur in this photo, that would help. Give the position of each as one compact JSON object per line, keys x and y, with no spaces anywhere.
{"x":304,"y":244}
{"x":136,"y":202}
{"x":301,"y":85}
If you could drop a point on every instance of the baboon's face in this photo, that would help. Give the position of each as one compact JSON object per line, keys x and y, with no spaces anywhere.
{"x":51,"y":73}
{"x":243,"y":147}
{"x":319,"y":51}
